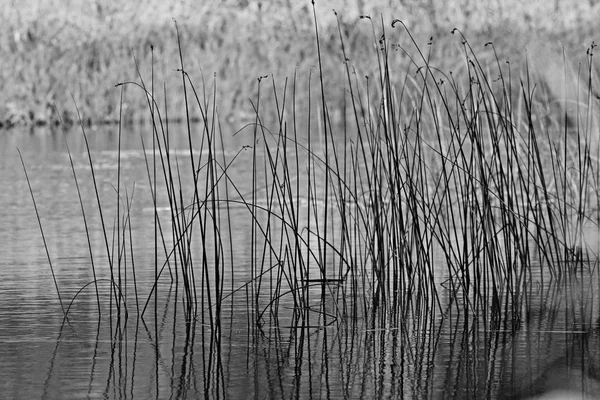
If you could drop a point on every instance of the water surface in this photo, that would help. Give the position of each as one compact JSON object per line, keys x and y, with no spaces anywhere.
{"x":250,"y":353}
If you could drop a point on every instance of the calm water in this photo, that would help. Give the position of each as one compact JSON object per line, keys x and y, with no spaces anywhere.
{"x":438,"y":356}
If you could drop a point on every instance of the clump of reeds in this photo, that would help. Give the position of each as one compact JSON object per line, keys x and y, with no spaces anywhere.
{"x":448,"y":191}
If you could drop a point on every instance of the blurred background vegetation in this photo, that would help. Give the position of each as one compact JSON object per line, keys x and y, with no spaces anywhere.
{"x":54,"y":49}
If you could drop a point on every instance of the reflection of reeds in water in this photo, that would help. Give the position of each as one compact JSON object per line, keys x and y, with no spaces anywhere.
{"x":444,"y":197}
{"x":555,"y":351}
{"x":568,"y":377}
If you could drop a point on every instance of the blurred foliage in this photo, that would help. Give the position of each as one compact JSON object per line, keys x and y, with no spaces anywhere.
{"x":56,"y":49}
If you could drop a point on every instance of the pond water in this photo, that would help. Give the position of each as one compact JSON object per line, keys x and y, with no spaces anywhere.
{"x":253,"y":349}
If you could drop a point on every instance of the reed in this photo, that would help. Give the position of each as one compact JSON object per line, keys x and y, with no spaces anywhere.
{"x":449,"y":194}
{"x":460,"y":165}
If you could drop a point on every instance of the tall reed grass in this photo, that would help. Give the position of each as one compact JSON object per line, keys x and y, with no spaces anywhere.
{"x":452,"y":192}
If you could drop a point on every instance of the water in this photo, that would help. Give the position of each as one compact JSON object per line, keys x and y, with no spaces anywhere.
{"x":422,"y":353}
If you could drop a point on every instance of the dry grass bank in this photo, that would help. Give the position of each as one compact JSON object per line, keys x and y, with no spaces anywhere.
{"x":54,"y":49}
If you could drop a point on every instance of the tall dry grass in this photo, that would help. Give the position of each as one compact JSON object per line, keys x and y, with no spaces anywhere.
{"x":53,"y":49}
